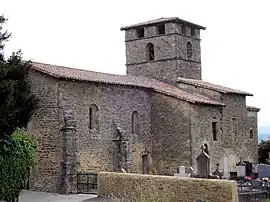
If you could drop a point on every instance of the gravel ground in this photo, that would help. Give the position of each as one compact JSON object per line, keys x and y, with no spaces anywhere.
{"x":31,"y":196}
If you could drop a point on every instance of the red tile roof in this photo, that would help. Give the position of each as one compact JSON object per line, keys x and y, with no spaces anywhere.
{"x":157,"y":86}
{"x":162,"y":20}
{"x":211,"y":86}
{"x":253,"y":109}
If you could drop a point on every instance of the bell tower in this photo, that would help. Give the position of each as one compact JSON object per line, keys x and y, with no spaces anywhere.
{"x":164,"y":49}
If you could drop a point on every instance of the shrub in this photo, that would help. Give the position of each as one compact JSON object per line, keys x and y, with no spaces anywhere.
{"x":16,"y":163}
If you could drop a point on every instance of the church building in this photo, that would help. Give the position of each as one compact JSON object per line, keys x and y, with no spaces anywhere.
{"x":151,"y":120}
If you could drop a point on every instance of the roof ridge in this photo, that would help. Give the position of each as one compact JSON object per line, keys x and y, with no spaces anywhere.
{"x":66,"y":67}
{"x":212,"y":86}
{"x":135,"y":81}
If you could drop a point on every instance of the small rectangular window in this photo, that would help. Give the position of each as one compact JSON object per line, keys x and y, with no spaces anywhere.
{"x":193,"y":32}
{"x":183,"y":29}
{"x":161,"y":29}
{"x":214,"y":130}
{"x":234,"y":125}
{"x":140,"y":32}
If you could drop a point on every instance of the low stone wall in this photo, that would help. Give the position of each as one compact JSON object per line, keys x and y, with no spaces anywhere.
{"x":142,"y":188}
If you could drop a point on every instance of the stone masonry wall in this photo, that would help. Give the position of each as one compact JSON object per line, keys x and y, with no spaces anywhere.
{"x":171,"y":59}
{"x":229,"y":147}
{"x":45,"y":125}
{"x":96,"y":149}
{"x":237,"y":145}
{"x":202,"y":117}
{"x":252,"y":143}
{"x":170,"y":128}
{"x":135,"y":187}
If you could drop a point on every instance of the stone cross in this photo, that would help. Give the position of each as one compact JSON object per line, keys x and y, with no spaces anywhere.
{"x":217,"y":172}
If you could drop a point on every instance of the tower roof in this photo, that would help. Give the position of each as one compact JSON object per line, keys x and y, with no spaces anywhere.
{"x":163,"y":20}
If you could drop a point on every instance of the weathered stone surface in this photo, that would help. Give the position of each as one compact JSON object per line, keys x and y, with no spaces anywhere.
{"x":170,"y":55}
{"x":170,"y":134}
{"x":45,"y":125}
{"x":135,"y":187}
{"x":171,"y":130}
{"x":228,"y":145}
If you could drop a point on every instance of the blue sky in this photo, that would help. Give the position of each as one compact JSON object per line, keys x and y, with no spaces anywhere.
{"x":86,"y":34}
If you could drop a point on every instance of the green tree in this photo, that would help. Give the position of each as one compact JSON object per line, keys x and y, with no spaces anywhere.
{"x":264,"y":150}
{"x":16,"y":165}
{"x":17,"y":103}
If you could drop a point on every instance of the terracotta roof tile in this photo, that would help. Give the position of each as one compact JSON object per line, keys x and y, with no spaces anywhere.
{"x":253,"y":109}
{"x":211,"y":86}
{"x":162,"y":20}
{"x":85,"y":75}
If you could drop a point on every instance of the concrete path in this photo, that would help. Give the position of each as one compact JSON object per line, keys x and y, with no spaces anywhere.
{"x":31,"y":196}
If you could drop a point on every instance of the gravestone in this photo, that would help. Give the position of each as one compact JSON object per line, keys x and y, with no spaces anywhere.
{"x":189,"y":170}
{"x":226,"y":172}
{"x":182,"y":172}
{"x":203,"y":164}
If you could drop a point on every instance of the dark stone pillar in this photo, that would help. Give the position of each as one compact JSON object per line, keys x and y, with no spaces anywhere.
{"x":69,"y":165}
{"x":120,"y":145}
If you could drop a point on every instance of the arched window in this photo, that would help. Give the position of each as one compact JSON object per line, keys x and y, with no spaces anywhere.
{"x":150,"y":52}
{"x":94,"y":117}
{"x":251,"y":133}
{"x":135,"y":123}
{"x":189,"y":50}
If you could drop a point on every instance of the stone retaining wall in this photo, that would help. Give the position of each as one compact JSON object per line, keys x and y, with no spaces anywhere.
{"x":138,"y":187}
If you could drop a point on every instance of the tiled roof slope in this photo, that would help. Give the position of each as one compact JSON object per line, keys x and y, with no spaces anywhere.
{"x":253,"y":109}
{"x":84,"y":75}
{"x":211,"y":86}
{"x":162,"y":20}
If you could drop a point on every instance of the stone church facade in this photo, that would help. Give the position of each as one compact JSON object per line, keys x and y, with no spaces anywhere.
{"x":151,"y":120}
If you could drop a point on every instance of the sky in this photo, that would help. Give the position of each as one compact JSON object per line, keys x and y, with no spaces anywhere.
{"x":86,"y":34}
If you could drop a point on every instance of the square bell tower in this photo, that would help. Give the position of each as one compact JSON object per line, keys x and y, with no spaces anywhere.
{"x":164,"y":49}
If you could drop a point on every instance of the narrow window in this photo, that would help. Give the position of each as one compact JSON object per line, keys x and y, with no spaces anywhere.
{"x":214,"y":130}
{"x":183,"y":29}
{"x":161,"y":29}
{"x":150,"y":52}
{"x":192,"y":32}
{"x":234,"y":125}
{"x":135,"y":123}
{"x":189,"y":50}
{"x":140,"y":32}
{"x":94,"y":117}
{"x":251,"y":133}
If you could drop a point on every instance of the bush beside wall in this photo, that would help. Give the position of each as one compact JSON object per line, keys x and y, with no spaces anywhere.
{"x":142,"y":188}
{"x":15,"y":164}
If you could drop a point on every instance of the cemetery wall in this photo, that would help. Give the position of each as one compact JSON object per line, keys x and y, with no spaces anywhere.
{"x":137,"y":187}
